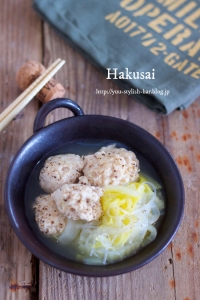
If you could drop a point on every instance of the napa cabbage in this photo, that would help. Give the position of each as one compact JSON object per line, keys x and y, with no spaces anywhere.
{"x":127,"y":224}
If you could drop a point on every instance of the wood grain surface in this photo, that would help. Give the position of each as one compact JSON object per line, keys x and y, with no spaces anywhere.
{"x":173,"y":275}
{"x":20,"y":39}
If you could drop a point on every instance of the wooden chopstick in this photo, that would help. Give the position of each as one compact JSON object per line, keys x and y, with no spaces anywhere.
{"x":18,"y":104}
{"x":27,"y":91}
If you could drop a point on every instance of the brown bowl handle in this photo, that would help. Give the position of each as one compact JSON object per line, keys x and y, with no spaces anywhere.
{"x":53,"y":104}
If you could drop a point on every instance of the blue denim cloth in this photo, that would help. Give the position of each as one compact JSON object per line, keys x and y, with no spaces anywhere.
{"x":134,"y":38}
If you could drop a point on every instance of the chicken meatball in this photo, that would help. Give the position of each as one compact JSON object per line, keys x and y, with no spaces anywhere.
{"x":110,"y":165}
{"x":78,"y":201}
{"x":48,"y":217}
{"x":60,"y":169}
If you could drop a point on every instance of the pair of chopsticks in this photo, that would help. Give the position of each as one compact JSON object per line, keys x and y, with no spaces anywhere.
{"x":18,"y":104}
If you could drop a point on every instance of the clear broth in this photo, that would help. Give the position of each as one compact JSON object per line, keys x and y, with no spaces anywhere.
{"x":33,"y":189}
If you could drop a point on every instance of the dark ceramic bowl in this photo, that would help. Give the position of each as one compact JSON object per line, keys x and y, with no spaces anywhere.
{"x":89,"y":127}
